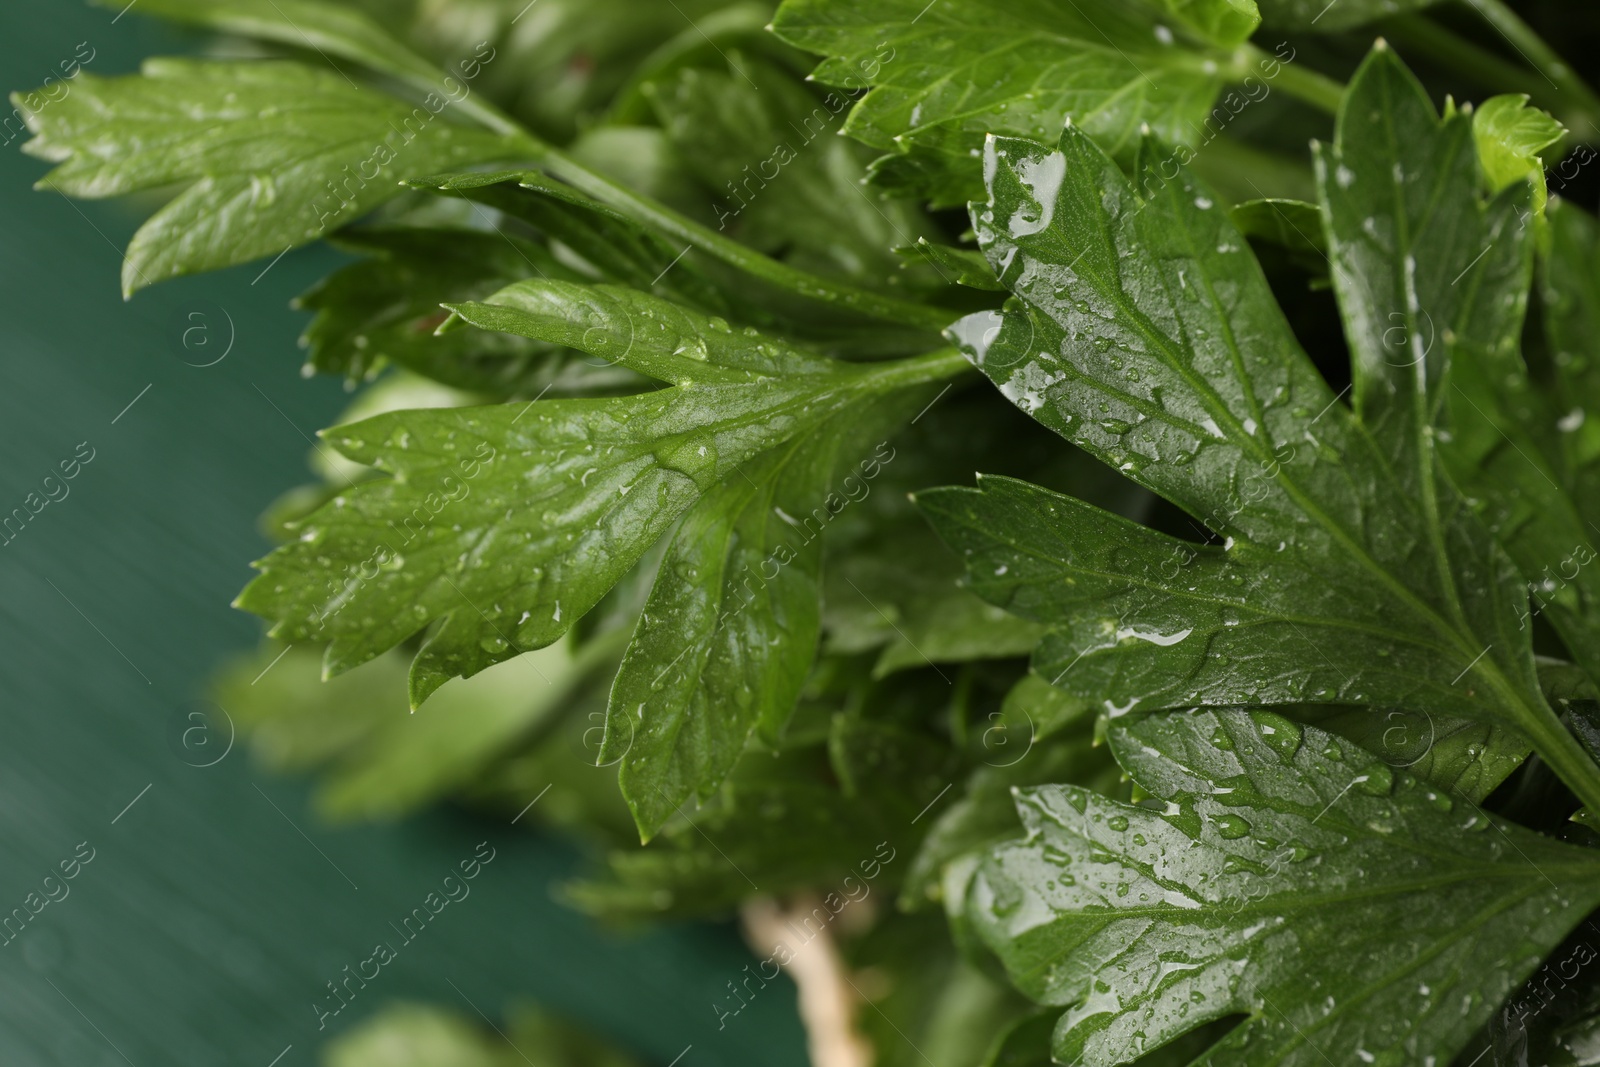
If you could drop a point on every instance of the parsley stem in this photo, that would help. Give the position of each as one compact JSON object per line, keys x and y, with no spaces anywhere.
{"x":1562,"y":751}
{"x":1541,"y":57}
{"x":669,"y":222}
{"x":657,"y":215}
{"x":1298,"y":80}
{"x":925,"y":369}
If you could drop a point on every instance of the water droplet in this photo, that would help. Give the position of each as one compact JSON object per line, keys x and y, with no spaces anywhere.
{"x":1231,"y":826}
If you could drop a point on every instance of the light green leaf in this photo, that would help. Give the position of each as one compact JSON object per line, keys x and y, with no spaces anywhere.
{"x":1510,"y":135}
{"x":420,"y":1035}
{"x":414,"y":1035}
{"x":383,"y":760}
{"x":935,"y":1008}
{"x":273,"y":154}
{"x":1034,"y":711}
{"x":505,"y":525}
{"x":294,"y":720}
{"x":945,"y":74}
{"x":950,"y":625}
{"x":1352,"y":913}
{"x":1350,"y":570}
{"x":900,"y":591}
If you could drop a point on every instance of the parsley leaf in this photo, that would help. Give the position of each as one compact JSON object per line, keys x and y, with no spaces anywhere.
{"x":727,"y":638}
{"x":383,"y":762}
{"x":1416,"y":307}
{"x":821,"y":808}
{"x":506,"y":524}
{"x":1467,"y":758}
{"x":1286,"y":874}
{"x":729,"y":632}
{"x":1015,"y":756}
{"x":416,"y":1035}
{"x":608,"y":245}
{"x":1510,"y":135}
{"x":273,"y":154}
{"x":1351,"y":571}
{"x":945,"y":74}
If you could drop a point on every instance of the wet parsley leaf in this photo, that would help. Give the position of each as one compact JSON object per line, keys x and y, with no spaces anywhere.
{"x":1279,"y":872}
{"x":273,"y":154}
{"x":942,"y":75}
{"x":1351,"y":569}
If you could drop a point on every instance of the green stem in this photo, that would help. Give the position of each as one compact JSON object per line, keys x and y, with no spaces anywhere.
{"x":669,"y":222}
{"x":1542,"y":58}
{"x":1565,"y":755}
{"x":1300,"y":82}
{"x":925,"y":369}
{"x":657,"y":215}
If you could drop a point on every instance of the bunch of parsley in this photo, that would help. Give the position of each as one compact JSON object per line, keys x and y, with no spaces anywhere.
{"x":1243,"y":711}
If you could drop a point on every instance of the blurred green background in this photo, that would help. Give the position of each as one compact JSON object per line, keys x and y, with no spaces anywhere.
{"x":216,"y":907}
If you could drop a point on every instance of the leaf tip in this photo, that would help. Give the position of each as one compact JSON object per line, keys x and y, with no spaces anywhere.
{"x":454,"y":321}
{"x":132,"y":279}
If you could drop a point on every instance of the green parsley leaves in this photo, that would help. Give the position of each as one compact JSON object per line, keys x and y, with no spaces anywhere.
{"x":274,"y":155}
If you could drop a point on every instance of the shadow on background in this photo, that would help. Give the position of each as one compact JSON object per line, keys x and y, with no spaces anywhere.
{"x":214,"y":909}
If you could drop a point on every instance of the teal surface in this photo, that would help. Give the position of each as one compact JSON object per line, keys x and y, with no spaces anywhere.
{"x":215,"y":908}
